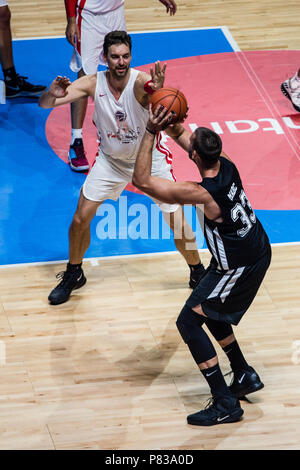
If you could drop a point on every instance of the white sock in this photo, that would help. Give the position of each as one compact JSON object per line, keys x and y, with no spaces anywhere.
{"x":76,"y":134}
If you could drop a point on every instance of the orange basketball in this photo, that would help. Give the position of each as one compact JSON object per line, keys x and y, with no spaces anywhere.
{"x":172,"y":99}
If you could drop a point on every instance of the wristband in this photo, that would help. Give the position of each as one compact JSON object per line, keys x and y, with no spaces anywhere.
{"x":150,"y":132}
{"x":148,"y":88}
{"x":70,"y":6}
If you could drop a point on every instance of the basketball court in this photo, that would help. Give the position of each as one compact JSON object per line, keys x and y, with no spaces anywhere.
{"x":108,"y":370}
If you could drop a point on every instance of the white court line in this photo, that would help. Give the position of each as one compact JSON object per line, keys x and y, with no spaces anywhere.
{"x":95,"y":261}
{"x":230,"y":38}
{"x":224,"y":29}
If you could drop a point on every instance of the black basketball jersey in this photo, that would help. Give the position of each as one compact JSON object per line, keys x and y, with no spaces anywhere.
{"x":240,"y":239}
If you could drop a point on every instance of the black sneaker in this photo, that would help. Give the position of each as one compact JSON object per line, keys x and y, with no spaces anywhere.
{"x":196,"y":275}
{"x":218,"y":410}
{"x":245,"y":382}
{"x":18,"y":86}
{"x":69,"y":281}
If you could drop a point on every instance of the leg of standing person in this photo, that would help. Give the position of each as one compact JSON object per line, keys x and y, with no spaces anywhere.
{"x":223,"y":407}
{"x":87,"y":55}
{"x":77,"y":156}
{"x":79,"y":241}
{"x":15,"y":84}
{"x":245,"y":378}
{"x":185,"y":242}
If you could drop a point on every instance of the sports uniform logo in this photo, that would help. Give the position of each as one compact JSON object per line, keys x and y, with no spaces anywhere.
{"x":124,"y":134}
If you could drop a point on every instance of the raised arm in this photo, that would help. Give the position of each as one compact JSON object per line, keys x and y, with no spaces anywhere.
{"x":162,"y":189}
{"x":180,"y":135}
{"x":62,"y":91}
{"x":146,"y":84}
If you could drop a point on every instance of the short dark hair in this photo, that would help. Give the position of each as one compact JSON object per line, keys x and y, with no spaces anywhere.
{"x":116,"y":37}
{"x":208,"y":145}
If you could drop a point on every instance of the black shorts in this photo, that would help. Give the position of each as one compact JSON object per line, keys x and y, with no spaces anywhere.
{"x":227,"y":295}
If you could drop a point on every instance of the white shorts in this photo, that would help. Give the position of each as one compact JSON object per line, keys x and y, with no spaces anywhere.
{"x":3,"y":3}
{"x":109,"y":176}
{"x":87,"y":54}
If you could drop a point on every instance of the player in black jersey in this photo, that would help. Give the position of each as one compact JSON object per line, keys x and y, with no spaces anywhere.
{"x":241,"y":255}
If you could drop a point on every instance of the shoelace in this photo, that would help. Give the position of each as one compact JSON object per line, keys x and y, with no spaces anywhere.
{"x":64,"y":277}
{"x":21,"y":79}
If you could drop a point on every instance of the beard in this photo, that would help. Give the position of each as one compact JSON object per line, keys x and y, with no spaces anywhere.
{"x":119,"y":72}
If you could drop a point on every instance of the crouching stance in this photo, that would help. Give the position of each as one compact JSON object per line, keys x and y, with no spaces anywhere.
{"x":241,"y":255}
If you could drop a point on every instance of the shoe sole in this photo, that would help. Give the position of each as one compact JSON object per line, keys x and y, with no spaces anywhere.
{"x":246,"y":391}
{"x":54,"y":302}
{"x":24,"y":94}
{"x":285,"y":92}
{"x":75,"y":168}
{"x":233,"y":418}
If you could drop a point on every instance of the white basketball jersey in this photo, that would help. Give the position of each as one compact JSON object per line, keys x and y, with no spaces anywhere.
{"x":99,"y":6}
{"x":121,"y":123}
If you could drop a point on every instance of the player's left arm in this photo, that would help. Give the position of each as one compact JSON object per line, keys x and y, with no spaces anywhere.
{"x":145,"y":84}
{"x":166,"y":191}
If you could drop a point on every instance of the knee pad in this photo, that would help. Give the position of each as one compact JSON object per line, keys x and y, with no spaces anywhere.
{"x":219,"y":329}
{"x":187,"y":321}
{"x":189,"y":324}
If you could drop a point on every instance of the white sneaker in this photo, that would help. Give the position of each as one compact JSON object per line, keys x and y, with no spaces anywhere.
{"x":291,"y":89}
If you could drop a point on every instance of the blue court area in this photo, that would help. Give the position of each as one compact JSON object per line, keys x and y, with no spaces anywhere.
{"x":39,"y":192}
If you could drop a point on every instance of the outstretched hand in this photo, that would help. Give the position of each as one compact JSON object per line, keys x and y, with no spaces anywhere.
{"x":58,"y":87}
{"x":170,"y":6}
{"x":160,"y":119}
{"x":157,"y":76}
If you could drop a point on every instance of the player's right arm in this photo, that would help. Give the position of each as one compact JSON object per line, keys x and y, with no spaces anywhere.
{"x":62,"y":91}
{"x":180,"y":135}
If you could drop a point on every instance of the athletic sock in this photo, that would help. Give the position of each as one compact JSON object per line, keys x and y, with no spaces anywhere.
{"x":10,"y":74}
{"x":196,"y":267}
{"x":216,"y":382}
{"x":235,"y":356}
{"x":76,"y":134}
{"x":73,"y":267}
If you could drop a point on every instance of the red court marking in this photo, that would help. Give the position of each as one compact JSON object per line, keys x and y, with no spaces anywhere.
{"x":238,"y":95}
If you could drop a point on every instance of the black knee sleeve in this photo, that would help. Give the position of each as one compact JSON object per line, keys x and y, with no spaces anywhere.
{"x":219,"y":329}
{"x":187,"y":321}
{"x":189,"y":324}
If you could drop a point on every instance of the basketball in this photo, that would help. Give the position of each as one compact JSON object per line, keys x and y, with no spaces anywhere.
{"x":172,"y":99}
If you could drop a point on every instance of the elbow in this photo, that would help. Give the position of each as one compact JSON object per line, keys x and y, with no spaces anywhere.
{"x":136,"y":182}
{"x":139,"y":182}
{"x":41,"y":104}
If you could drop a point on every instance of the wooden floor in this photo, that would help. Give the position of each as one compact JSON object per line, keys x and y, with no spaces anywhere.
{"x":255,"y":24}
{"x":108,"y":369}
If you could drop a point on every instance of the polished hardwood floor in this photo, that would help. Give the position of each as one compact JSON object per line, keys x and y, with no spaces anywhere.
{"x":264,"y":24}
{"x":108,"y":369}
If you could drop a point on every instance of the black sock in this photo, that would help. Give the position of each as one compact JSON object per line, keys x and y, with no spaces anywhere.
{"x":235,"y":356}
{"x":10,"y":74}
{"x":216,"y":382}
{"x":73,"y":267}
{"x":196,"y":267}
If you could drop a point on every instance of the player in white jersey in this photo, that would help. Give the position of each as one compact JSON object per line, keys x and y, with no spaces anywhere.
{"x":88,"y":23}
{"x":121,"y":112}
